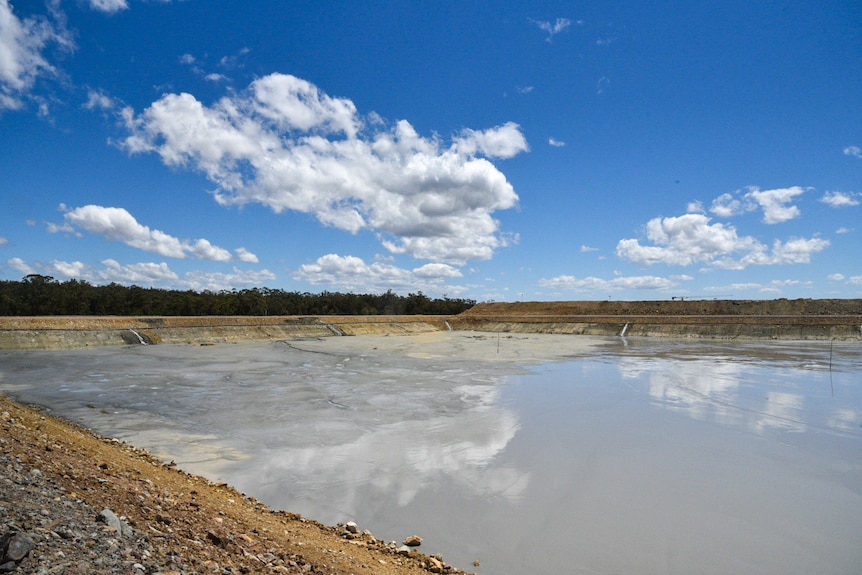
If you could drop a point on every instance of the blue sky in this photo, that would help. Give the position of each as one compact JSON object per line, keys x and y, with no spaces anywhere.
{"x":486,"y":150}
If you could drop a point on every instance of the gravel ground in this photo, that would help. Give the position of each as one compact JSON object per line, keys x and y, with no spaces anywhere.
{"x":74,"y":503}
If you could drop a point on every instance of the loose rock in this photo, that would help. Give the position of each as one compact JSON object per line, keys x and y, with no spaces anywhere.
{"x":413,"y":541}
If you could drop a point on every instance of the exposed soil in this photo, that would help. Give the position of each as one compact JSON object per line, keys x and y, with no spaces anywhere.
{"x":56,"y":477}
{"x":804,"y":309}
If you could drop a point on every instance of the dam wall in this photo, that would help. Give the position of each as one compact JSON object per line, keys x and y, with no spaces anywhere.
{"x":775,"y":331}
{"x":73,"y":333}
{"x":778,"y":320}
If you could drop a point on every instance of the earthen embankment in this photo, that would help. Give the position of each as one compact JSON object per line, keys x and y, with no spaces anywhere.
{"x":76,"y":332}
{"x":799,"y":319}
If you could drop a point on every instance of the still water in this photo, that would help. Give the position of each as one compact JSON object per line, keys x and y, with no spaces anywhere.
{"x":581,"y":455}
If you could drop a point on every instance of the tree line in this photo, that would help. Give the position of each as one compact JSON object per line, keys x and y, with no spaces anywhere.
{"x":43,"y":295}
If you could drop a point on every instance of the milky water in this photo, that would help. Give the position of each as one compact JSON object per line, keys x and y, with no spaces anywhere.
{"x":619,"y":456}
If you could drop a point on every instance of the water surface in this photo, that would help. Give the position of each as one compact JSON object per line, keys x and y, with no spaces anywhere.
{"x":530,"y":454}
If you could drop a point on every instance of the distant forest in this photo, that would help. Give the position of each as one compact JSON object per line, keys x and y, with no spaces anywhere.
{"x":42,"y":295}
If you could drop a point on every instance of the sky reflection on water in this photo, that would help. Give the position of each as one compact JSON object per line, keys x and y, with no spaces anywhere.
{"x":647,"y":456}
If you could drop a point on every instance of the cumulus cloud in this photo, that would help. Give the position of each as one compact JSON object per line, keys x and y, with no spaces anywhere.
{"x":794,"y":251}
{"x":840,"y":199}
{"x":568,"y":282}
{"x":691,"y":238}
{"x":20,"y":266}
{"x":854,"y":151}
{"x":695,"y":207}
{"x":773,"y":287}
{"x":354,"y":274}
{"x":285,"y":144}
{"x":774,"y":203}
{"x":726,"y":206}
{"x":108,"y":6}
{"x":552,"y":28}
{"x":97,"y":100}
{"x":144,"y":274}
{"x":218,"y":281}
{"x":556,"y":143}
{"x":3,"y":241}
{"x":504,"y":141}
{"x":586,"y":249}
{"x":22,"y":43}
{"x":117,"y":224}
{"x":246,"y":256}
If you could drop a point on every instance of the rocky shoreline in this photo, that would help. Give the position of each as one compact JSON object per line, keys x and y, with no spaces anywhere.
{"x":74,"y":503}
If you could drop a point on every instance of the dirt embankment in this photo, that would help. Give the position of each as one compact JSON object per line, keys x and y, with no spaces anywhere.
{"x":799,"y":319}
{"x":70,"y":332}
{"x":719,"y":319}
{"x":56,"y":478}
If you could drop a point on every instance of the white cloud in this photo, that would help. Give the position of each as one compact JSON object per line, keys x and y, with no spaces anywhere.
{"x":795,"y":251}
{"x":726,"y":206}
{"x":215,"y":281}
{"x":203,"y":250}
{"x":552,"y":28}
{"x":108,"y":6}
{"x":585,"y":249}
{"x":840,"y":199}
{"x":21,"y":266}
{"x":835,"y":277}
{"x":556,"y":143}
{"x":735,"y":287}
{"x":504,"y":141}
{"x":855,"y":280}
{"x":246,"y":256}
{"x":117,"y":224}
{"x":695,"y":207}
{"x":683,"y":240}
{"x":774,"y":203}
{"x":854,"y":151}
{"x":284,"y":144}
{"x":602,"y":84}
{"x":354,"y":274}
{"x":843,"y":230}
{"x":3,"y":241}
{"x":691,"y":239}
{"x":98,"y":100}
{"x":145,"y":274}
{"x":619,"y":283}
{"x":22,"y":43}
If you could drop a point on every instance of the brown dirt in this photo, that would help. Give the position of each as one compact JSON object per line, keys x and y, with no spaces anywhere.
{"x":192,"y":524}
{"x":810,"y":309}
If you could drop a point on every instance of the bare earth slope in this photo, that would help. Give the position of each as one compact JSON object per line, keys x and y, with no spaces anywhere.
{"x":55,"y":478}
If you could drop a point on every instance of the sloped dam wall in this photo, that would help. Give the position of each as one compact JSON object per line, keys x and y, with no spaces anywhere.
{"x":77,"y":332}
{"x":804,"y":319}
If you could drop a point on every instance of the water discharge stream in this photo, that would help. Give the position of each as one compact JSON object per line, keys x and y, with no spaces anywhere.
{"x":531,"y":454}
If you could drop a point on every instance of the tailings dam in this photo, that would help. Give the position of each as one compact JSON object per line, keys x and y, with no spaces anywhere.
{"x":800,"y":319}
